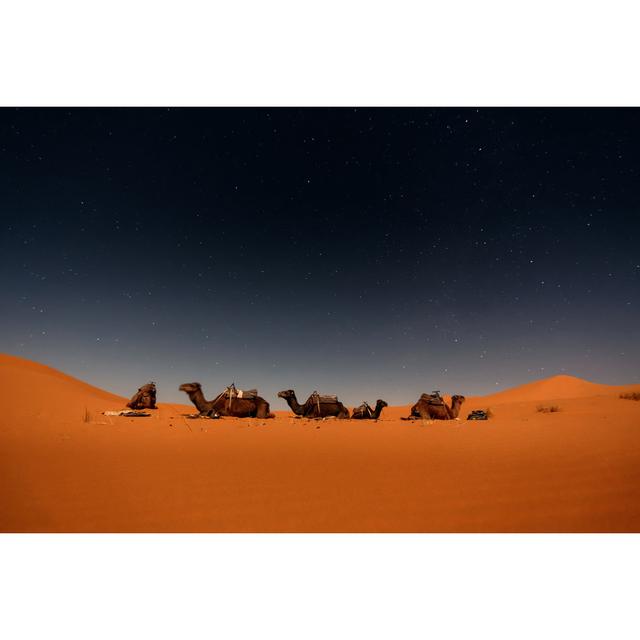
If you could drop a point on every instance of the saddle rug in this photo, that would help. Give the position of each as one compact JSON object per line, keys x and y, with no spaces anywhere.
{"x":365,"y":410}
{"x":324,"y":399}
{"x":144,"y":398}
{"x":231,"y":393}
{"x":433,"y":399}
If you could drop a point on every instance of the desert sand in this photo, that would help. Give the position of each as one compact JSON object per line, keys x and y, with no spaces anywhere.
{"x":65,"y":467}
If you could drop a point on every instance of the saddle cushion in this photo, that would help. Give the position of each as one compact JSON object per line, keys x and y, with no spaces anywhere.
{"x":433,"y":399}
{"x":364,"y":409}
{"x":324,"y":399}
{"x":248,"y":394}
{"x":144,"y":398}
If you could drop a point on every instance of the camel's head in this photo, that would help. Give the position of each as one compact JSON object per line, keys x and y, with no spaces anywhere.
{"x":382,"y":403}
{"x":288,"y":393}
{"x":190,"y":387}
{"x":457,"y":400}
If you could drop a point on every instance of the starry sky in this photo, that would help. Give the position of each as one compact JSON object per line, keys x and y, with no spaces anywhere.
{"x":373,"y":253}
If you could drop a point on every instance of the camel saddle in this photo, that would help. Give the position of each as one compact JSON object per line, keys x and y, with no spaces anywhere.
{"x":365,"y":410}
{"x":231,"y":393}
{"x":433,"y":398}
{"x":144,"y":398}
{"x":324,"y":399}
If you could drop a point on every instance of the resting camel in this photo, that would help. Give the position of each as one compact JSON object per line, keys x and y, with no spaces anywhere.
{"x":237,"y":408}
{"x":145,"y":398}
{"x":364,"y":411}
{"x":425,"y":410}
{"x":315,"y":406}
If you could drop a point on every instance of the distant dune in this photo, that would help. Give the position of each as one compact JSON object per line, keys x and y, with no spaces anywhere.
{"x":29,"y":387}
{"x":555,"y":388}
{"x":64,"y":466}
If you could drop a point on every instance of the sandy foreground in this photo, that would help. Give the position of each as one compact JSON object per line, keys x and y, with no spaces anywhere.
{"x":64,"y":467}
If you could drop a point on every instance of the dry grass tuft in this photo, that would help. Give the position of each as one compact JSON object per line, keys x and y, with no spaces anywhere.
{"x":630,"y":396}
{"x":554,"y":408}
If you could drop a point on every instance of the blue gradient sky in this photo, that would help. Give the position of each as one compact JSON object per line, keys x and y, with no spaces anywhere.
{"x":370,"y":253}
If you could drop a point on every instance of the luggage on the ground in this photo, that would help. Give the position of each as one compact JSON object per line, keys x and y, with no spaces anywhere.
{"x":478,"y":414}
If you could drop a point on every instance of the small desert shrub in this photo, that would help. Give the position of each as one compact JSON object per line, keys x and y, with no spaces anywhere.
{"x":554,"y":408}
{"x":630,"y":396}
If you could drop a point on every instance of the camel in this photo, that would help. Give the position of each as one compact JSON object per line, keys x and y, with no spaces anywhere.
{"x":145,"y":398}
{"x":316,"y":406}
{"x":236,"y":408}
{"x":426,"y":409}
{"x":365,"y":412}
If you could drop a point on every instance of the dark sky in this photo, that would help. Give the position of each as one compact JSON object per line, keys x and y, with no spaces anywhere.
{"x":365,"y":252}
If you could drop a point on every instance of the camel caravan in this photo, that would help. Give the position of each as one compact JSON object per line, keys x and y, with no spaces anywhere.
{"x":239,"y":403}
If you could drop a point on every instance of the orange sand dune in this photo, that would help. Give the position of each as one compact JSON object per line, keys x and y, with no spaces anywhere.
{"x":554,"y":388}
{"x":66,"y":467}
{"x":58,"y":394}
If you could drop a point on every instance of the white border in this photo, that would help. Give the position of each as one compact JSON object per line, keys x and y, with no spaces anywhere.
{"x":319,"y":586}
{"x":335,"y":52}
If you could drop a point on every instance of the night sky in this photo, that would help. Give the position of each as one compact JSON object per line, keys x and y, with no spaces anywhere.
{"x":373,"y":253}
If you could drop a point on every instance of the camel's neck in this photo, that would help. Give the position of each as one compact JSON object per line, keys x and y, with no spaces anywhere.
{"x":295,"y":406}
{"x":455,"y":409}
{"x":197,"y":397}
{"x":377,"y":411}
